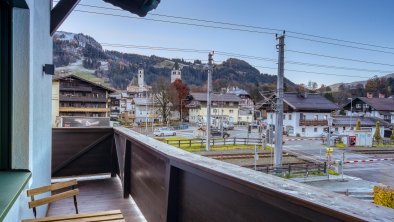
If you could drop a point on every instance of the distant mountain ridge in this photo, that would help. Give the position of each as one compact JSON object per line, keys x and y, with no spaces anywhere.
{"x":82,"y":55}
{"x":335,"y":87}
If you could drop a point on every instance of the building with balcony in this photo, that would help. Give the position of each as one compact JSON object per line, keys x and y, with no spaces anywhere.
{"x":304,"y":114}
{"x":246,"y":105}
{"x":122,"y":106}
{"x":146,"y":179}
{"x":75,"y":96}
{"x":224,"y":106}
{"x":382,"y":108}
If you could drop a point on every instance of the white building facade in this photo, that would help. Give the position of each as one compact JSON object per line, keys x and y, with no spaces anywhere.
{"x":304,"y":115}
{"x":224,"y":108}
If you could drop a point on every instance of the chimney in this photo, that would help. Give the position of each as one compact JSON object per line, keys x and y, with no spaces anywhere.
{"x":369,"y":95}
{"x":381,"y":95}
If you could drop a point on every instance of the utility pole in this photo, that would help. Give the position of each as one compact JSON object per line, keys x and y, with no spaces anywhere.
{"x":210,"y":59}
{"x":279,"y":103}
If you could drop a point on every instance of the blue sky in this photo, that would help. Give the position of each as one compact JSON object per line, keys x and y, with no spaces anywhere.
{"x":365,"y":21}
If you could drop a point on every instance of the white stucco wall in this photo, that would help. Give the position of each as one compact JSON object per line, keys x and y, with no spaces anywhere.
{"x":295,"y":123}
{"x":31,"y":138}
{"x":196,"y":114}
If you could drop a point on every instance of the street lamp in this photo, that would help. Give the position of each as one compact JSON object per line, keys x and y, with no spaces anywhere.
{"x":351,"y":112}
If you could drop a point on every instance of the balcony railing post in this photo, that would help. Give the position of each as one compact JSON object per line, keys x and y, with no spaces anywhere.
{"x":127,"y":170}
{"x":114,"y":159}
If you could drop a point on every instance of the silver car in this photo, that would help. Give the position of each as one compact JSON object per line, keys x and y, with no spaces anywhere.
{"x":165,"y":131}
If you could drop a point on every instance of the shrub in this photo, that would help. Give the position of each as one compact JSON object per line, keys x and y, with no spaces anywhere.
{"x":392,"y":134}
{"x":383,"y":196}
{"x":377,"y":135}
{"x":298,"y":135}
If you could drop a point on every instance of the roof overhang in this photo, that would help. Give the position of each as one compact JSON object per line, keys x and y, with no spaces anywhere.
{"x":64,"y":7}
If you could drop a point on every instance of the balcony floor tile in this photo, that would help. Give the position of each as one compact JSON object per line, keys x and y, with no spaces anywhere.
{"x":98,"y":195}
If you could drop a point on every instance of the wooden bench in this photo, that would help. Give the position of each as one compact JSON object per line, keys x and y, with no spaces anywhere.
{"x":113,"y":216}
{"x":57,"y":186}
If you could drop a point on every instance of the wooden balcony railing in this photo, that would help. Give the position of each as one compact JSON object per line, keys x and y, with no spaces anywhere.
{"x":75,"y":88}
{"x":169,"y":184}
{"x":313,"y":123}
{"x":81,"y":99}
{"x":83,"y":109}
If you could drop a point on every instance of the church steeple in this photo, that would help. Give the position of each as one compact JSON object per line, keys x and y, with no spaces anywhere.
{"x":141,"y":83}
{"x":175,"y":72}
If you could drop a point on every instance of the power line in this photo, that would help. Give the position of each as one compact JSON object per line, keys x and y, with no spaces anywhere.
{"x":340,"y":58}
{"x":243,"y":56}
{"x":336,"y":67}
{"x":251,"y":26}
{"x":341,"y":40}
{"x":317,"y":73}
{"x":179,"y":23}
{"x":338,"y":44}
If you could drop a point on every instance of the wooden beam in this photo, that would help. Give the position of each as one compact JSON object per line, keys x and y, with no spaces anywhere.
{"x":52,"y":187}
{"x":60,"y":12}
{"x":55,"y":197}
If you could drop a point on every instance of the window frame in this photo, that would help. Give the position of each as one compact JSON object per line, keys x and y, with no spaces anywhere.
{"x":5,"y":85}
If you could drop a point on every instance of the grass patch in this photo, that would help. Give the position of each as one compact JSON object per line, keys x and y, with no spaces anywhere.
{"x":340,"y":145}
{"x":331,"y":172}
{"x":195,"y":145}
{"x":289,"y":176}
{"x":385,"y":145}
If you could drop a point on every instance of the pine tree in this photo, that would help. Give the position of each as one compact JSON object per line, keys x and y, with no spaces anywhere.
{"x":377,"y":135}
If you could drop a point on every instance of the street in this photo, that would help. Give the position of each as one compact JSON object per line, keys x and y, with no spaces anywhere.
{"x":379,"y":171}
{"x":314,"y":150}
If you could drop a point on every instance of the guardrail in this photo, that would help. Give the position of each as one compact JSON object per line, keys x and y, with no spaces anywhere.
{"x":200,"y":143}
{"x":304,"y":169}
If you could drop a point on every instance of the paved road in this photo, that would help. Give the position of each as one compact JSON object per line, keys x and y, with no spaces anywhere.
{"x":380,"y":172}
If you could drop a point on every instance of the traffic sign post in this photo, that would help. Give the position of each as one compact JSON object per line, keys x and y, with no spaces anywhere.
{"x":329,"y":152}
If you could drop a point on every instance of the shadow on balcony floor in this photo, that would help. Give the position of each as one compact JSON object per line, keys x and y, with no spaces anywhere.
{"x":99,"y":195}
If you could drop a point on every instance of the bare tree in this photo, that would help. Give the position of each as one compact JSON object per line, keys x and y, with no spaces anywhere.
{"x":161,"y":96}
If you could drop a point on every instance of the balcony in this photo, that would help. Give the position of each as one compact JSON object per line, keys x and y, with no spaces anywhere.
{"x":313,"y":123}
{"x":81,"y":99}
{"x":168,"y":184}
{"x":83,"y":109}
{"x":75,"y":88}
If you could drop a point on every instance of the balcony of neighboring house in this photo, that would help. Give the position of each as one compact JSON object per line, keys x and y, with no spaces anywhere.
{"x":75,"y":88}
{"x":306,"y":122}
{"x":83,"y":109}
{"x":63,"y":98}
{"x":148,"y":180}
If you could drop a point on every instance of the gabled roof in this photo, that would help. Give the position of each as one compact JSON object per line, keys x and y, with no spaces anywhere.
{"x":352,"y":120}
{"x":227,"y":97}
{"x":60,"y":77}
{"x":380,"y":104}
{"x":309,"y":102}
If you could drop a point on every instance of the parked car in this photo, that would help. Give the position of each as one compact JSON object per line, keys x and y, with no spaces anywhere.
{"x":228,"y":126}
{"x":217,"y":132}
{"x":165,"y":131}
{"x":254,"y":125}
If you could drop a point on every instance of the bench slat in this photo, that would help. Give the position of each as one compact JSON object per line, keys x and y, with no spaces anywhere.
{"x":115,"y":214}
{"x":52,"y":198}
{"x":52,"y":187}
